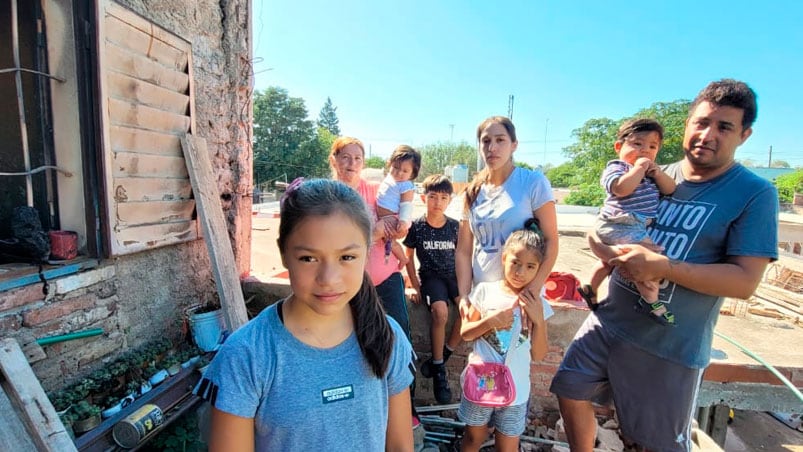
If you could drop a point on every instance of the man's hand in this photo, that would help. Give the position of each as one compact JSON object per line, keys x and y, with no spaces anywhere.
{"x":639,"y":263}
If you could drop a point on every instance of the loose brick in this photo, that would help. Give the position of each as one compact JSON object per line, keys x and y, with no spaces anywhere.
{"x":56,"y":310}
{"x":21,"y":297}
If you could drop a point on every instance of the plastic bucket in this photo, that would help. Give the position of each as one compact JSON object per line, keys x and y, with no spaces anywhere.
{"x":206,"y":329}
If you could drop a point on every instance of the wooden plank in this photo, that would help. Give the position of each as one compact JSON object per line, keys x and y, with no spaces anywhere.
{"x":138,"y":238}
{"x":132,"y":164}
{"x":132,"y":189}
{"x":121,"y":60}
{"x":144,"y":43}
{"x":146,"y":26}
{"x":29,"y":400}
{"x":127,"y":139}
{"x":213,"y":222}
{"x":130,"y":89}
{"x":140,"y":116}
{"x":152,"y":212}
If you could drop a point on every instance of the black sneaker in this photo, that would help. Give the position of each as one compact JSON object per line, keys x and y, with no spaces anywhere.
{"x":440,"y":385}
{"x":426,"y":368}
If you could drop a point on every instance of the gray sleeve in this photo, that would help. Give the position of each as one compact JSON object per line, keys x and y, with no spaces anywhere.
{"x":401,"y":368}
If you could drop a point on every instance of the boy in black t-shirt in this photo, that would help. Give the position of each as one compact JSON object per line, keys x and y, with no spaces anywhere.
{"x":433,"y":239}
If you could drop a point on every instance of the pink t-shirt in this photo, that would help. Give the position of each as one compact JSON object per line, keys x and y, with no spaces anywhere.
{"x":377,"y":269}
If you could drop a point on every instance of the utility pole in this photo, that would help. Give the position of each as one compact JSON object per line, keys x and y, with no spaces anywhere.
{"x":546,"y":128}
{"x":451,"y":132}
{"x":510,"y":107}
{"x":769,"y":164}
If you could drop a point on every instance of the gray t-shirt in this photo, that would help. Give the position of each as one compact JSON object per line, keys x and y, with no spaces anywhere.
{"x":734,"y":214}
{"x":302,"y":397}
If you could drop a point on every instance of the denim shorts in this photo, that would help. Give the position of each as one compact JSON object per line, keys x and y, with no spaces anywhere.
{"x":509,"y":420}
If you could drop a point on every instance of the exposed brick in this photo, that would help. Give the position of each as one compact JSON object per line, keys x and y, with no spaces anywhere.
{"x":553,"y":357}
{"x":546,"y":369}
{"x":9,"y":324}
{"x":56,"y":310}
{"x":21,"y":296}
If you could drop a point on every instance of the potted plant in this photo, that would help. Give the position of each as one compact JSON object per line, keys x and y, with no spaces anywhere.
{"x":202,"y":364}
{"x":172,"y":364}
{"x":207,"y":324}
{"x":67,"y":419}
{"x":154,"y":375}
{"x":84,"y":389}
{"x":87,"y":416}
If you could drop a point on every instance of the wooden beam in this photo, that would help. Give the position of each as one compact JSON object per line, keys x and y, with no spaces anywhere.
{"x":147,"y":27}
{"x":216,"y":234}
{"x":124,"y":113}
{"x":127,"y":189}
{"x":132,"y":164}
{"x":153,"y":212}
{"x":29,"y":401}
{"x":145,"y":43}
{"x":128,"y":88}
{"x":122,"y":60}
{"x":128,"y":139}
{"x":138,"y":238}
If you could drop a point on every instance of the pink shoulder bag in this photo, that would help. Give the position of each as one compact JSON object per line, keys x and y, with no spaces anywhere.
{"x":489,"y":384}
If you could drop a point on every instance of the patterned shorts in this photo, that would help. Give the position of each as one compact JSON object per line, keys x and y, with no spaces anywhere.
{"x":509,"y":420}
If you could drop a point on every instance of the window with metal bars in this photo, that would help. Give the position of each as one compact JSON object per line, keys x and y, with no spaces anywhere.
{"x":26,"y":141}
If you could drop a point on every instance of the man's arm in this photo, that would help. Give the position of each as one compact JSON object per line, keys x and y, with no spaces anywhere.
{"x":737,"y":277}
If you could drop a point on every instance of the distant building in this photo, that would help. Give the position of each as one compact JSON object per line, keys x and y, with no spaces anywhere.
{"x":770,"y":173}
{"x":456,"y":173}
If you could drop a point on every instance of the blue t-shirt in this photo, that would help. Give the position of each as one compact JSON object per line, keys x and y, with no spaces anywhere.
{"x":734,"y":214}
{"x":302,"y":397}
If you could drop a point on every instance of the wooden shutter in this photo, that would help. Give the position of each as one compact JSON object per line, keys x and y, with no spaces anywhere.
{"x":147,"y":105}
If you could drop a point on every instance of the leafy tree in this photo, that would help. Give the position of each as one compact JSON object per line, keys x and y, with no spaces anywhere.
{"x":313,"y":154}
{"x":594,"y":145}
{"x":749,"y":163}
{"x":281,"y":128}
{"x":435,"y":157}
{"x":375,"y":161}
{"x":780,"y":164}
{"x":327,"y":118}
{"x":562,"y":175}
{"x":789,"y":184}
{"x":586,"y":195}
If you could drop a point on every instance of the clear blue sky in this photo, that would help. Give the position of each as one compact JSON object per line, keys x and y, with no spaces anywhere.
{"x":419,"y":72}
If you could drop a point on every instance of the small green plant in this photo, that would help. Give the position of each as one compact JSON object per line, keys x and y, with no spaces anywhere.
{"x":61,"y":400}
{"x":85,"y":410}
{"x":83,"y":388}
{"x":182,"y":435}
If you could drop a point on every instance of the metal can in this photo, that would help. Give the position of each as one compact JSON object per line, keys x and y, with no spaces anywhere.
{"x":137,"y":425}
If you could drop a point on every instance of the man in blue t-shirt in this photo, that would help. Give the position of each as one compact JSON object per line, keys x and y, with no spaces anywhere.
{"x":718,"y":231}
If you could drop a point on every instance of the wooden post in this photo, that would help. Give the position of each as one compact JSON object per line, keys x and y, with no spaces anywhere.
{"x":216,"y":234}
{"x":29,"y":402}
